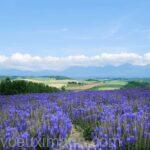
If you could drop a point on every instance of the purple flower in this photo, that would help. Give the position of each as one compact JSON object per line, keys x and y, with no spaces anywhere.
{"x":25,"y":135}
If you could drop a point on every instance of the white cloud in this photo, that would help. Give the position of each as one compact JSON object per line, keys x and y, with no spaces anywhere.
{"x":147,"y":58}
{"x":28,"y":62}
{"x":24,"y":58}
{"x":2,"y":58}
{"x":121,"y":58}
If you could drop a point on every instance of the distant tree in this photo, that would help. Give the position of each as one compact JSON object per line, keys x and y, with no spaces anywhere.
{"x":63,"y":88}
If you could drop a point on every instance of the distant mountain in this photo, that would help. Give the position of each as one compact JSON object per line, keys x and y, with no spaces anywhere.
{"x":124,"y":71}
{"x":12,"y":72}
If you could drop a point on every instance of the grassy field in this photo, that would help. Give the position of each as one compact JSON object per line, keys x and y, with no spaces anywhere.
{"x":110,"y":85}
{"x":49,"y":81}
{"x":84,"y":84}
{"x":76,"y":84}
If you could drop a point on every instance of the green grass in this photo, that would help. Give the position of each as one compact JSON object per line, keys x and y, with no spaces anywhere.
{"x":110,"y":85}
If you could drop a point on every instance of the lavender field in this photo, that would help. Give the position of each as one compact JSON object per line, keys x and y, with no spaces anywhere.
{"x":118,"y":119}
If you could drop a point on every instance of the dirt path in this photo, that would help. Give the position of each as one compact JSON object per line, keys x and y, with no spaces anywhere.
{"x":86,"y":87}
{"x":89,"y":86}
{"x":77,"y":137}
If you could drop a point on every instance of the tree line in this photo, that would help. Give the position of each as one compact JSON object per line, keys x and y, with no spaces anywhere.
{"x":8,"y":87}
{"x":136,"y":84}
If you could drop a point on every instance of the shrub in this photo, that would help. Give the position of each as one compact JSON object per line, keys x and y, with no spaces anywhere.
{"x":63,"y":88}
{"x":87,"y":133}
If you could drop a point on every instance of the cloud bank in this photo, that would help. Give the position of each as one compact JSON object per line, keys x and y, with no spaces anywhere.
{"x":29,"y":62}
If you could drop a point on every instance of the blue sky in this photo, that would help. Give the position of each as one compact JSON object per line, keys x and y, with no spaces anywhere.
{"x":62,"y":28}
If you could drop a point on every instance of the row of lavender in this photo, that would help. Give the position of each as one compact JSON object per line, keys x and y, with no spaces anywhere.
{"x":111,"y":119}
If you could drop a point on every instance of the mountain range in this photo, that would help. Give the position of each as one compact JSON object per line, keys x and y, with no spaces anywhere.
{"x":122,"y":71}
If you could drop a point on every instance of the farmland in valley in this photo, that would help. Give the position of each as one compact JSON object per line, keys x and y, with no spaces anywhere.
{"x":74,"y":74}
{"x":77,"y":84}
